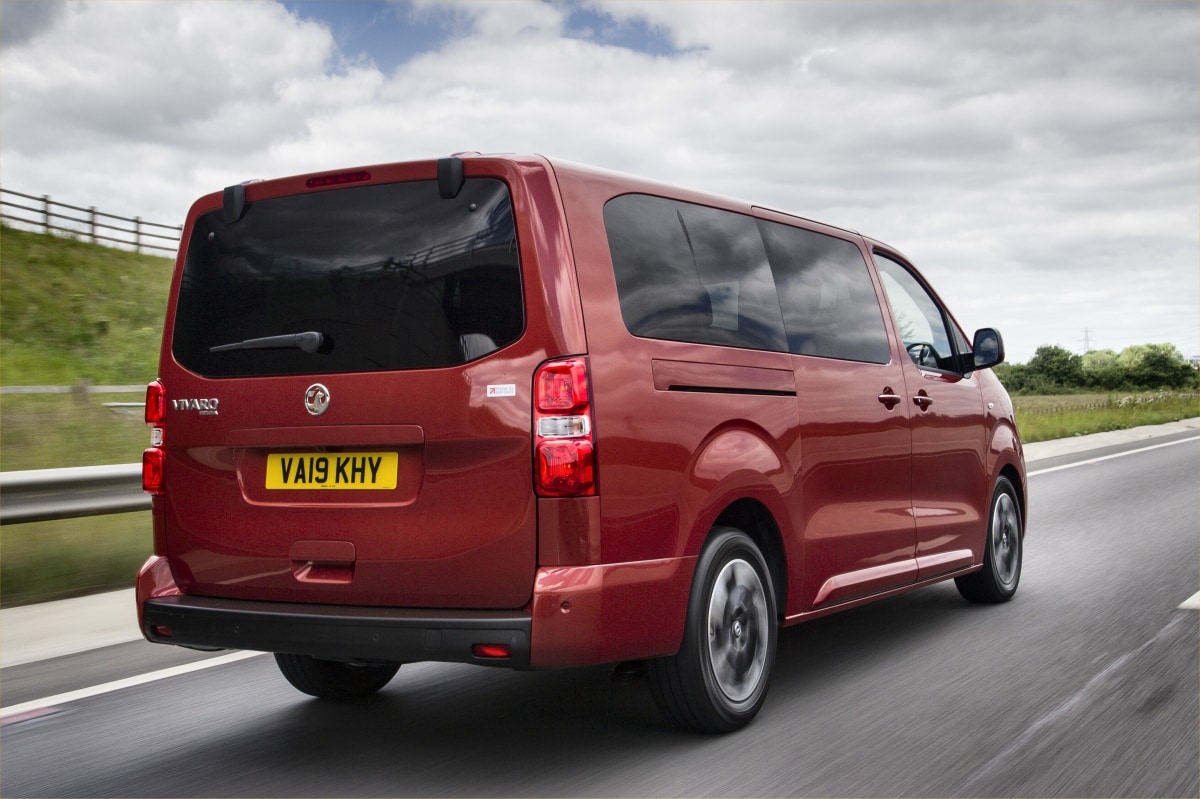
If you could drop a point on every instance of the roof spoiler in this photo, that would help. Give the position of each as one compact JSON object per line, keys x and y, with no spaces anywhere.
{"x":449,"y":177}
{"x":234,"y":203}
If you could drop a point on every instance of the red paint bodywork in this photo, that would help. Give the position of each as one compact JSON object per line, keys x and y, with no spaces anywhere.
{"x":849,"y":497}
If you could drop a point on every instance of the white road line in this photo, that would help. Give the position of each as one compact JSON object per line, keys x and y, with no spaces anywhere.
{"x":128,"y":682}
{"x":1110,"y":457}
{"x":1191,"y":603}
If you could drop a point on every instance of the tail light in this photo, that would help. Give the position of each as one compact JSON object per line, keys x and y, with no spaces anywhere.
{"x":564,"y":453}
{"x":153,"y":459}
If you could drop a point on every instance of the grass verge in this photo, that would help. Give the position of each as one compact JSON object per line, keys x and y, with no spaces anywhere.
{"x":50,"y":431}
{"x":40,"y":561}
{"x":1047,"y":418}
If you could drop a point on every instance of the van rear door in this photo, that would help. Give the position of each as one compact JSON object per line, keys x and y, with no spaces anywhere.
{"x":347,"y":391}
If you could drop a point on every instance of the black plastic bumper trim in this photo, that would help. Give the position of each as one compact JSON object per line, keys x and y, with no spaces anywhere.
{"x":338,"y":632}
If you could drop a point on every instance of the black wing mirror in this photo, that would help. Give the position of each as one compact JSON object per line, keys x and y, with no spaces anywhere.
{"x":988,"y":348}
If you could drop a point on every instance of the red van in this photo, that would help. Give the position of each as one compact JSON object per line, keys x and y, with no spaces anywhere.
{"x":518,"y":412}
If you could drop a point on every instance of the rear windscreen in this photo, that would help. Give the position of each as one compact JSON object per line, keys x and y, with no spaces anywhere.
{"x":366,"y":278}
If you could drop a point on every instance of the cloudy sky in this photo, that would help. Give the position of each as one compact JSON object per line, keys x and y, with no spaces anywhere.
{"x":1039,"y":161}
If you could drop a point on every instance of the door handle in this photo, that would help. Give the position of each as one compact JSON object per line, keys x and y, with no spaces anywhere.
{"x":890,"y":398}
{"x":923,"y":401}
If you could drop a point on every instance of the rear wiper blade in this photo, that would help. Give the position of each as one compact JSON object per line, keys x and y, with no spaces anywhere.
{"x":310,"y":342}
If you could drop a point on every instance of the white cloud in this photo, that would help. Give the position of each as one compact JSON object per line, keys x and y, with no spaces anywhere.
{"x":1031,"y":157}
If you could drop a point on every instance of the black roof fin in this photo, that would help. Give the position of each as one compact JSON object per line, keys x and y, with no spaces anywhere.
{"x":234,"y":203}
{"x":450,"y":177}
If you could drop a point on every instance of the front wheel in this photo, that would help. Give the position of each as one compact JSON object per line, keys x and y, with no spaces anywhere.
{"x":718,"y":680}
{"x":1002,"y":551}
{"x":328,"y":679}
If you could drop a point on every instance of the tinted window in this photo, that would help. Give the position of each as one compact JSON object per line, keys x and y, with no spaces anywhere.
{"x":392,"y":276}
{"x":829,"y":305}
{"x":692,"y":273}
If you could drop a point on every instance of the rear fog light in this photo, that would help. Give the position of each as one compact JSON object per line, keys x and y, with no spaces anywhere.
{"x":491,"y":651}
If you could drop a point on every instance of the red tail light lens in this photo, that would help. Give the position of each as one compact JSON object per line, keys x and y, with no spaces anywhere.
{"x":562,"y":386}
{"x":156,"y":403}
{"x":153,"y":460}
{"x":564,"y":453}
{"x":566,"y":468}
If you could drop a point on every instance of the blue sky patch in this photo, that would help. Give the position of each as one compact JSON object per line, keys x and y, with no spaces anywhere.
{"x":387,"y":33}
{"x":593,"y":25}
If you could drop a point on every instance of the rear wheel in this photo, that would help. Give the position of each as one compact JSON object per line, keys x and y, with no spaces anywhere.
{"x":329,"y":679}
{"x":718,"y":680}
{"x":997,"y":580}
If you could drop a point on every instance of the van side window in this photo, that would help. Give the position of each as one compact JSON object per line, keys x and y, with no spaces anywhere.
{"x":691,"y":273}
{"x":923,"y":327}
{"x":829,"y":305}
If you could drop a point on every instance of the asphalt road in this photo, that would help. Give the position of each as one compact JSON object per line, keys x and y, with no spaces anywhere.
{"x":1087,"y":684}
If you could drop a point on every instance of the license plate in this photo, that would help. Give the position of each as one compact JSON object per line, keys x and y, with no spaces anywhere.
{"x":349,"y":470}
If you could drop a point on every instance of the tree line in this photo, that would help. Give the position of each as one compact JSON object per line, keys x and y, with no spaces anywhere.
{"x":1139,"y":367}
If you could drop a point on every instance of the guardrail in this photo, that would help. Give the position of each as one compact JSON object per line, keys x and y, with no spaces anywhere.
{"x":42,"y":215}
{"x":42,"y":495}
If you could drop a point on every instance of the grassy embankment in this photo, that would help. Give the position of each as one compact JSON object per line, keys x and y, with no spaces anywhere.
{"x":71,"y":310}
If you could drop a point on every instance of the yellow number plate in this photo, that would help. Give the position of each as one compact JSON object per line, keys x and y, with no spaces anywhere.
{"x":354,"y":470}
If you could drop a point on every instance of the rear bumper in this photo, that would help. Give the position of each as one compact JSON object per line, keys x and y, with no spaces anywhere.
{"x":336,"y":632}
{"x":578,"y":616}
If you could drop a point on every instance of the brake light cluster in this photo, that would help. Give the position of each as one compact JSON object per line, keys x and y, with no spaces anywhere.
{"x":154,"y":457}
{"x":564,"y":451}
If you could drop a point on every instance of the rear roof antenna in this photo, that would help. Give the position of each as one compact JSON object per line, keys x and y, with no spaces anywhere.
{"x":449,"y":177}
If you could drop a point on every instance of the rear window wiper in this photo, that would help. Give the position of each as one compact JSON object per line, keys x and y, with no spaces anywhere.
{"x":310,"y":342}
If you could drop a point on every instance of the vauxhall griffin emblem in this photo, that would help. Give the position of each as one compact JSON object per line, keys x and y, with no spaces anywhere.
{"x":316,"y":399}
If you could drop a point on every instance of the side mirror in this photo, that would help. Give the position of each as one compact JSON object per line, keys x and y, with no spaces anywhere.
{"x":988,"y":348}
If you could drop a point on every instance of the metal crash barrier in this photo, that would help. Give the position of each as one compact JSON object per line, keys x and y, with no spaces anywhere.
{"x":41,"y":495}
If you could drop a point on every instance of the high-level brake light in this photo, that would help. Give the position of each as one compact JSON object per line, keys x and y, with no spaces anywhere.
{"x":564,"y":451}
{"x":337,"y":180}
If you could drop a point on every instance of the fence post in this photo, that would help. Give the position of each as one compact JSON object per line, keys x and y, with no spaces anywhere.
{"x":45,"y":213}
{"x":137,"y":233}
{"x":92,"y":219}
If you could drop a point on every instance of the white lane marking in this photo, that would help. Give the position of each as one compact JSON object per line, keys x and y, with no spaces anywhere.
{"x":128,"y":682}
{"x":1191,"y":603}
{"x":1110,"y":457}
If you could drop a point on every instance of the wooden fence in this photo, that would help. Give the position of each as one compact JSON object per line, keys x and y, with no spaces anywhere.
{"x":45,"y":215}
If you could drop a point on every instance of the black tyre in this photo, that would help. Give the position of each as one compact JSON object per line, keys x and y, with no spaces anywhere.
{"x":718,"y":680}
{"x":330,"y":679}
{"x":1002,"y":551}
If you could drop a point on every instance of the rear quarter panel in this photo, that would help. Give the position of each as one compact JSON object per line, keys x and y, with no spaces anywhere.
{"x":673,"y":455}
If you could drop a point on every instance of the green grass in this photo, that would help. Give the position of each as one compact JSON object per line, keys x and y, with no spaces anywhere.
{"x":41,"y":561}
{"x":1043,"y":418}
{"x":71,"y":309}
{"x":49,"y":431}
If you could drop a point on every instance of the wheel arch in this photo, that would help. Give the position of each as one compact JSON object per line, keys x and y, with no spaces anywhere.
{"x":1018,"y":483}
{"x":755,"y":520}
